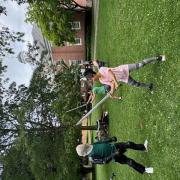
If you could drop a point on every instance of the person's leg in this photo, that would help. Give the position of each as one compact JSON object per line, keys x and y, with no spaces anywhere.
{"x":122,"y":159}
{"x":144,"y":62}
{"x":132,"y":145}
{"x":133,"y":82}
{"x":116,"y":97}
{"x":123,"y":146}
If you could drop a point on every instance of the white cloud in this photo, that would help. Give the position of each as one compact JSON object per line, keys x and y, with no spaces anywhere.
{"x":18,"y":72}
{"x":15,"y":19}
{"x":21,"y":73}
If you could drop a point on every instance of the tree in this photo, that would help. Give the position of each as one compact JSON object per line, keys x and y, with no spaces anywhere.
{"x":3,"y":10}
{"x":35,"y":118}
{"x":52,"y":103}
{"x":34,"y":55}
{"x":68,"y":4}
{"x":8,"y":37}
{"x":52,"y":20}
{"x":16,"y":164}
{"x":72,"y":5}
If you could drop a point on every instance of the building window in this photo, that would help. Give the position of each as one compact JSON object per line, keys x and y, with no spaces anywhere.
{"x":76,"y":25}
{"x":75,"y":62}
{"x":78,"y":41}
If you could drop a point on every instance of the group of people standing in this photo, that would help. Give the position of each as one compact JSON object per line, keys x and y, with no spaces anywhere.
{"x":103,"y":152}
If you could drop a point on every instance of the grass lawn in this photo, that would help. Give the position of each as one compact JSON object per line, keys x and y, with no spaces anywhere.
{"x":129,"y":31}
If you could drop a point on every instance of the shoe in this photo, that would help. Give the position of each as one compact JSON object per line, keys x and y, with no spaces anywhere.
{"x":149,"y":170}
{"x":151,"y":86}
{"x":146,"y":144}
{"x":105,"y":113}
{"x":162,"y":58}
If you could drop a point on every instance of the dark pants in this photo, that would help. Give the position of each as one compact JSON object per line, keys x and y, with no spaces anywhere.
{"x":139,"y":65}
{"x":107,"y":88}
{"x":122,"y":159}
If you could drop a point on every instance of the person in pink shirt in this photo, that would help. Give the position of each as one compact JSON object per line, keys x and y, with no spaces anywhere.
{"x":111,"y":76}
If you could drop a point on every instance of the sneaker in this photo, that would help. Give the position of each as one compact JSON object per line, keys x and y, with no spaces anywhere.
{"x":149,"y":170}
{"x":105,"y":113}
{"x":146,"y":144}
{"x":151,"y":86}
{"x":162,"y":58}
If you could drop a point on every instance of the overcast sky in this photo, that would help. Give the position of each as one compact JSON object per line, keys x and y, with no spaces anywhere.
{"x":18,"y":72}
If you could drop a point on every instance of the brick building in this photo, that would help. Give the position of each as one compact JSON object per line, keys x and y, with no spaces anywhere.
{"x":74,"y":52}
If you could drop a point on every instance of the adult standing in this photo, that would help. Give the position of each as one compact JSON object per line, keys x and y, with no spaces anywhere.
{"x":106,"y":151}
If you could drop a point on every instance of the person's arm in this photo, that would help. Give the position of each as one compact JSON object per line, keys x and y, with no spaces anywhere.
{"x":108,"y":140}
{"x":116,"y":97}
{"x":90,"y":98}
{"x":113,"y":77}
{"x":109,"y":158}
{"x":112,"y":91}
{"x":93,"y":97}
{"x":95,"y":63}
{"x":112,"y":84}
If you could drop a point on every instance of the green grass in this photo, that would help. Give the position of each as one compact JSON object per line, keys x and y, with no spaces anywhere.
{"x":129,"y":31}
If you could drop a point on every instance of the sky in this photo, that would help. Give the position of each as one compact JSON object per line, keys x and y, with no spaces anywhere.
{"x":18,"y":72}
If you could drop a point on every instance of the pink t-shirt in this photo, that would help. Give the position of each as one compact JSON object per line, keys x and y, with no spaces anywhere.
{"x":121,"y":73}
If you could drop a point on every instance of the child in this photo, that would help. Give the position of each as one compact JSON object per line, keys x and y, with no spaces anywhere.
{"x":111,"y":76}
{"x":100,"y":90}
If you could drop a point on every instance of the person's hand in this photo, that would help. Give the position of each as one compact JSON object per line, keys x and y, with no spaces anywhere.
{"x":114,"y":139}
{"x":95,"y":63}
{"x":92,"y":101}
{"x":111,"y":92}
{"x":116,"y":85}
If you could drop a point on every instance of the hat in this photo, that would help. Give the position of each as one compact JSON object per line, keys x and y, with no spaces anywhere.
{"x":84,"y":149}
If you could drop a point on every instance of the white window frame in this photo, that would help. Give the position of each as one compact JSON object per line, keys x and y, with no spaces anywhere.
{"x":75,"y":44}
{"x":78,"y":23}
{"x":80,"y":41}
{"x":75,"y":61}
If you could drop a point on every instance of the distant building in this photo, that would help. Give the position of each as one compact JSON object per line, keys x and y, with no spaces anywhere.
{"x":43,"y":54}
{"x":73,"y":53}
{"x":42,"y":42}
{"x":23,"y":57}
{"x":37,"y":35}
